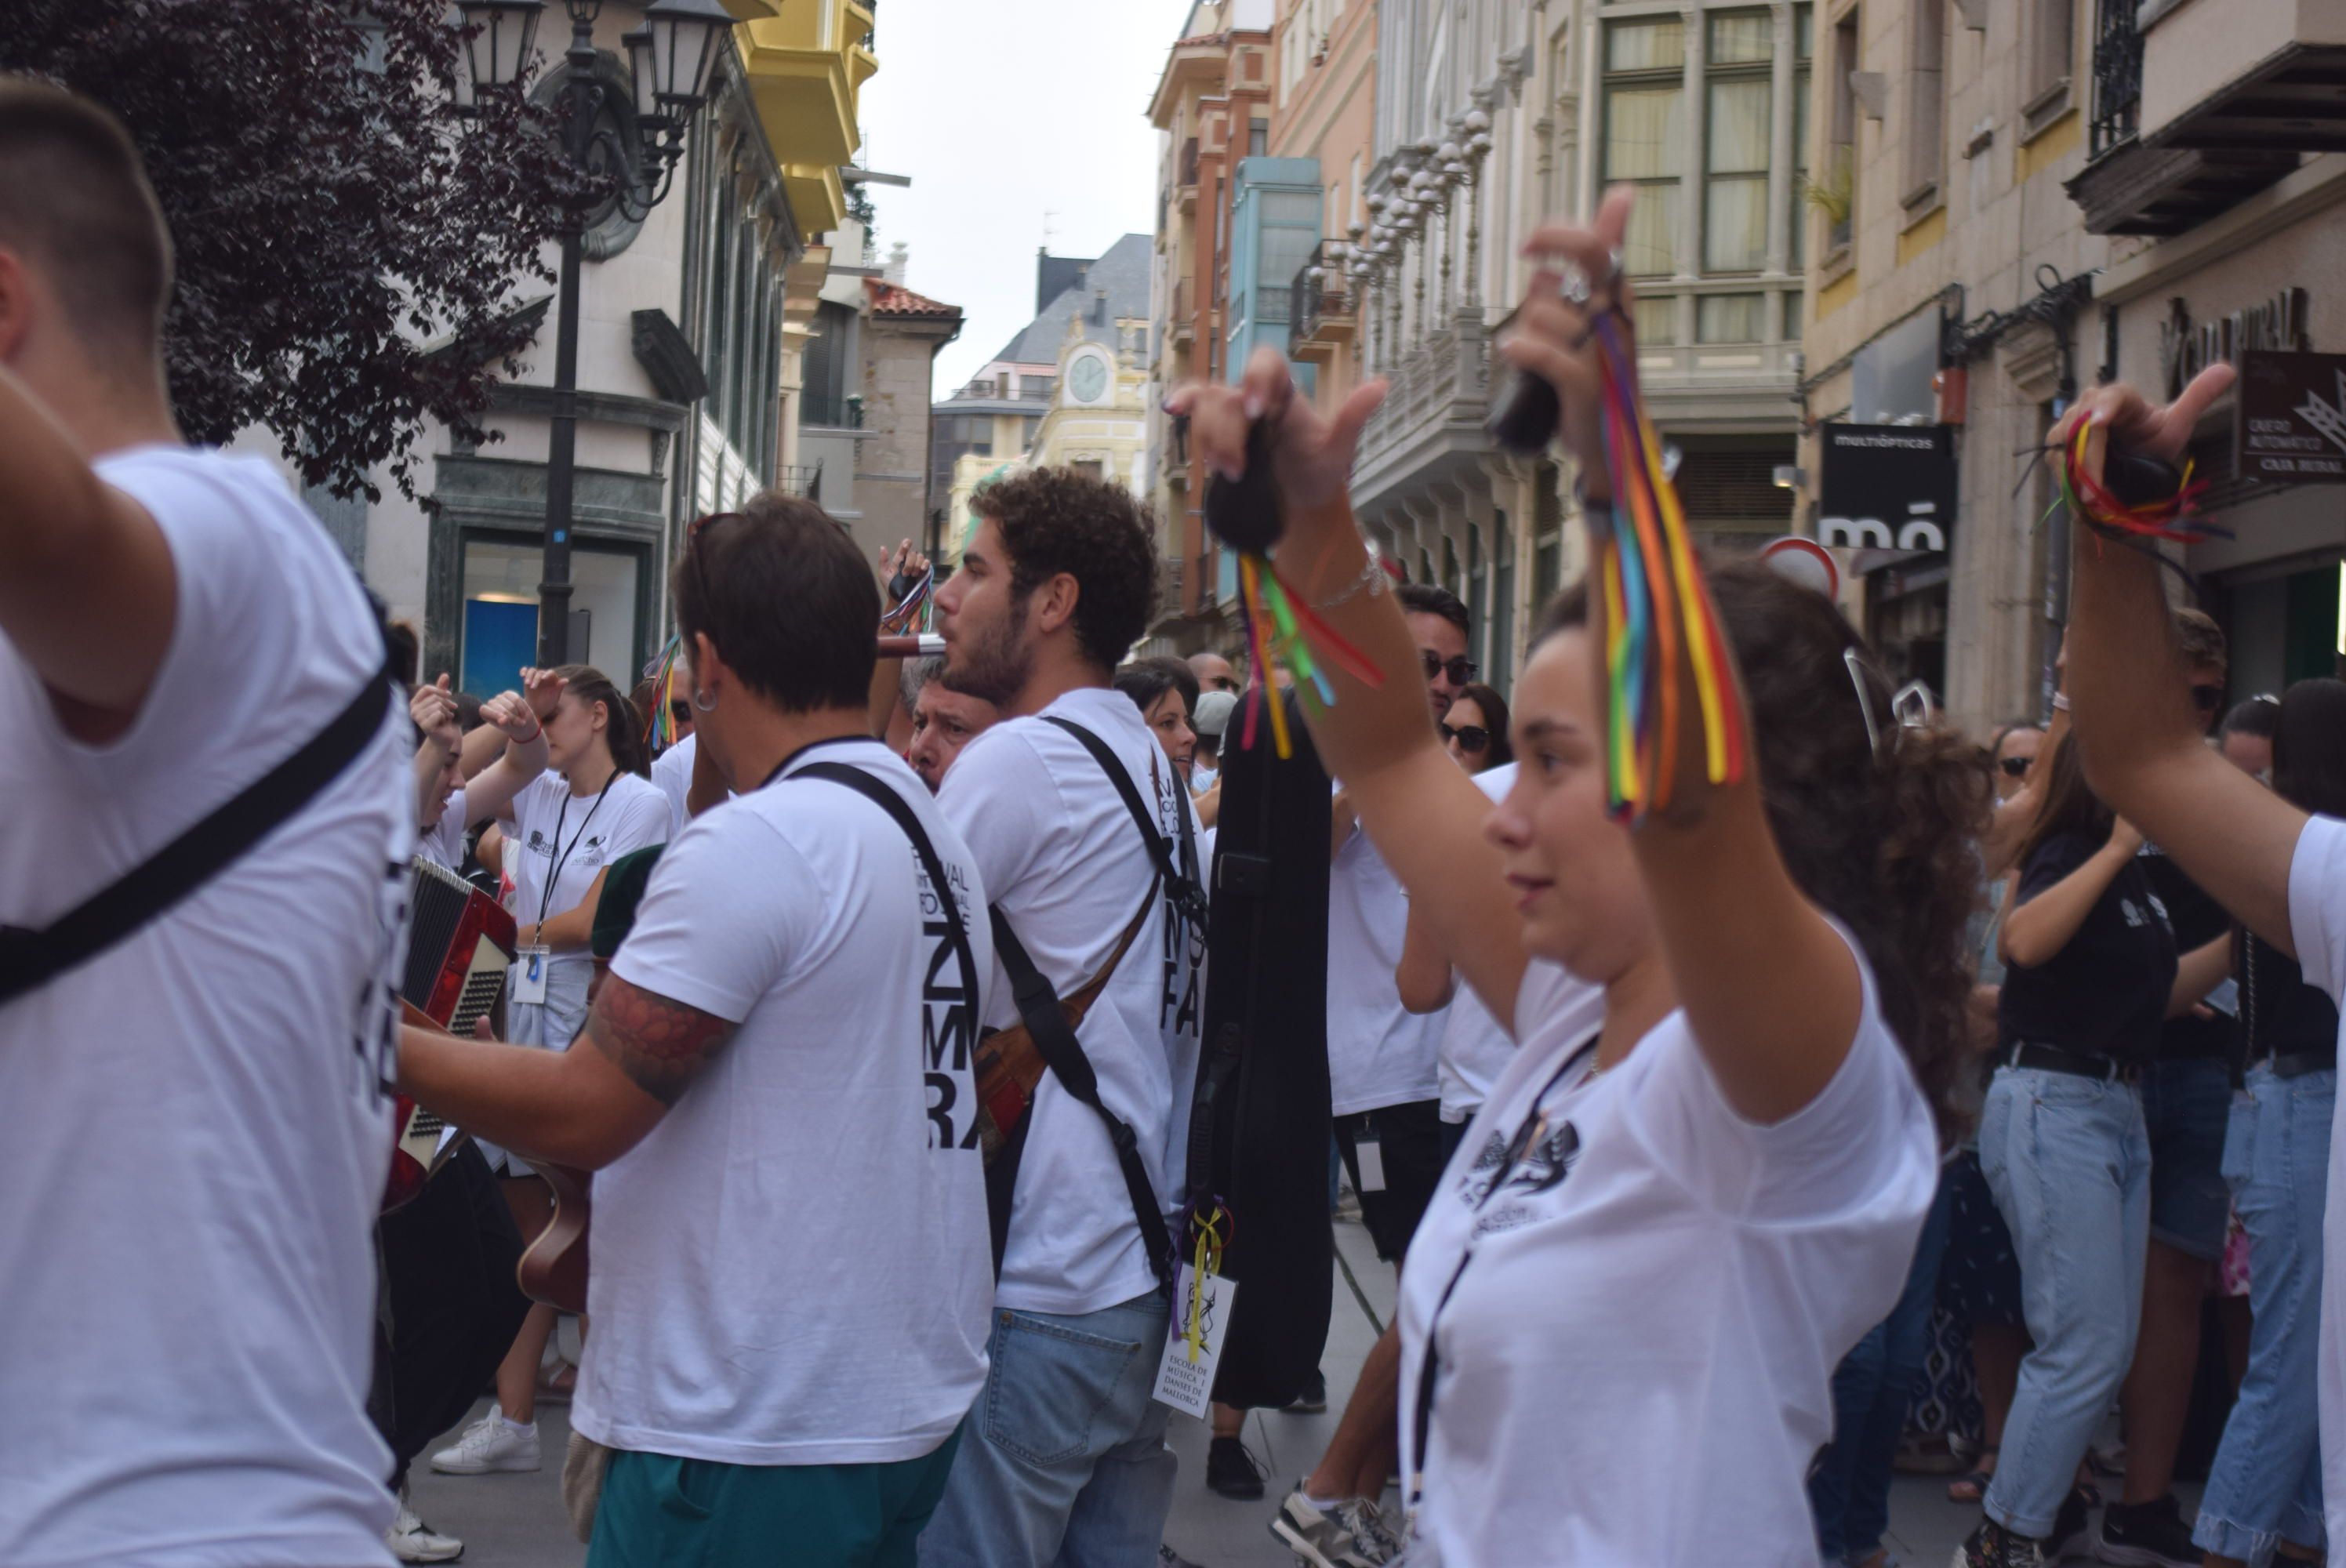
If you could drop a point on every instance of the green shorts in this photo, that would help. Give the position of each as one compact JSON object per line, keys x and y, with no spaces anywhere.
{"x":660,"y":1511}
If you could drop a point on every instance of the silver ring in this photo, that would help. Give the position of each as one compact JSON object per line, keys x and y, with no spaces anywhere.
{"x":1574,"y":287}
{"x":1612,"y":267}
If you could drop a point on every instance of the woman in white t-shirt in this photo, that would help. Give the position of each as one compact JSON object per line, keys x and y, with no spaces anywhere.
{"x":447,"y":802}
{"x":1701,"y":1179}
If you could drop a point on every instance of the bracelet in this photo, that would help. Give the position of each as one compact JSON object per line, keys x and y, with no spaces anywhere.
{"x":1373,"y":578}
{"x":526,"y":739}
{"x":2060,"y":702}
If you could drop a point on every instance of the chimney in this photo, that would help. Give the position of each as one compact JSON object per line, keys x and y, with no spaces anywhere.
{"x":1099,"y":306}
{"x":894,"y":270}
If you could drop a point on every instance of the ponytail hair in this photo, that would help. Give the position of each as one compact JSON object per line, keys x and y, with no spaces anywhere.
{"x":1879,"y":833}
{"x":623,"y":730}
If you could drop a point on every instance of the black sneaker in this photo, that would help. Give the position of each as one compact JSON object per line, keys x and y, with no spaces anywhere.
{"x":1231,"y":1470}
{"x":1994,"y":1546}
{"x":2147,"y":1535}
{"x":1313,"y":1400}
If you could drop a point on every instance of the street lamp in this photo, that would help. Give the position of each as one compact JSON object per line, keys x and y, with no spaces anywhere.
{"x":669,"y":61}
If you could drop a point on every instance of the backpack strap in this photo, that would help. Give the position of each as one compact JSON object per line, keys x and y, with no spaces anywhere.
{"x":887,"y":800}
{"x":30,"y":959}
{"x":1055,"y":1038}
{"x":1180,"y":874}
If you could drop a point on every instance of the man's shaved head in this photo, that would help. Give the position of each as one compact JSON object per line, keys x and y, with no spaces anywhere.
{"x":76,"y":207}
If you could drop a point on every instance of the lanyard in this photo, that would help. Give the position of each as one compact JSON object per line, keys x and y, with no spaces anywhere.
{"x":546,"y":896}
{"x":1533,"y":1128}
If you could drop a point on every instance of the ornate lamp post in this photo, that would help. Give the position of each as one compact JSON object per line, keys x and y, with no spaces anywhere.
{"x":669,"y":61}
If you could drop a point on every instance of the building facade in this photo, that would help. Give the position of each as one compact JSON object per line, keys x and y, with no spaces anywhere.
{"x":1324,"y":110}
{"x":2040,"y":196}
{"x":902,"y":332}
{"x":1952,"y":281}
{"x":682,"y":367}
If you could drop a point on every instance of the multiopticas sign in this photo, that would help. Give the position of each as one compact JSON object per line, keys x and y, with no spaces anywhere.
{"x":1886,"y":486}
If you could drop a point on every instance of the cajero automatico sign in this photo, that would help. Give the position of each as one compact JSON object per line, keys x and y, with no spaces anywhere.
{"x":1886,"y":486}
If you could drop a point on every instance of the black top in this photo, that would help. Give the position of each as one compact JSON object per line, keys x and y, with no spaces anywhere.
{"x":2198,"y":920}
{"x":2106,"y":991}
{"x":2280,"y":1015}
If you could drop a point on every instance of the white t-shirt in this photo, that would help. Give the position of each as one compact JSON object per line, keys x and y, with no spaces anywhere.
{"x":1474,"y":1048}
{"x":672,"y":773}
{"x":549,"y":831}
{"x":1635,"y":1360}
{"x":1379,"y":1053}
{"x":793,"y":1267}
{"x":186,"y":1317}
{"x":442,"y":843}
{"x":1062,"y":856}
{"x":2317,"y":921}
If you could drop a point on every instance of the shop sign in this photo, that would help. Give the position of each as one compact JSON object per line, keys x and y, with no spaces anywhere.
{"x":2292,"y":426}
{"x":1886,"y":486}
{"x":2188,"y":348}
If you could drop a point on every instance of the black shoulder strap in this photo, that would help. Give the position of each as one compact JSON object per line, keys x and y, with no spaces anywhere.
{"x":1046,"y":1025}
{"x":1180,"y":876}
{"x":887,"y":800}
{"x":30,"y":959}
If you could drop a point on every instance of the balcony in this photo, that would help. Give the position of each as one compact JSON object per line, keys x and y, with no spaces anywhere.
{"x":803,"y":480}
{"x":806,"y":68}
{"x":1323,"y":313}
{"x":1433,"y":413}
{"x":1181,"y":325}
{"x":2210,"y":104}
{"x":1187,"y":180}
{"x":1170,"y":574}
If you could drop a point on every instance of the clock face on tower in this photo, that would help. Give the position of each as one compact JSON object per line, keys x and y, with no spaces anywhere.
{"x":1087,"y":378}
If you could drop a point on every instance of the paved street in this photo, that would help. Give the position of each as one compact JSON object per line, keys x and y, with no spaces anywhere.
{"x":516,"y":1521}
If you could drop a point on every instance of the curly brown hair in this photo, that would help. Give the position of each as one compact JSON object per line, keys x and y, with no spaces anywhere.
{"x":1882,"y":841}
{"x":1054,"y":520}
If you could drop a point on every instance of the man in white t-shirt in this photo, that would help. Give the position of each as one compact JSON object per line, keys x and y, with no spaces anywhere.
{"x":2279,"y":872}
{"x":186,"y":1285}
{"x":790,"y":1282}
{"x":1065,"y":1459}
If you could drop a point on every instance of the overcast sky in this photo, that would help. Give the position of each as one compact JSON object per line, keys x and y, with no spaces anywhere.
{"x":1018,"y":124}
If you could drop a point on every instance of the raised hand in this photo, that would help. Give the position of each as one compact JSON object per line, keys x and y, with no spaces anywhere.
{"x":1550,"y":337}
{"x":510,"y":712}
{"x":1311,"y":453}
{"x":2120,"y":414}
{"x":434,"y":709}
{"x":542,"y":689}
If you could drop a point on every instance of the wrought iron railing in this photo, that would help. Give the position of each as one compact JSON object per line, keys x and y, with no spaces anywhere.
{"x":1321,"y":290}
{"x":2117,"y":76}
{"x":1190,"y":162}
{"x":801,"y":479}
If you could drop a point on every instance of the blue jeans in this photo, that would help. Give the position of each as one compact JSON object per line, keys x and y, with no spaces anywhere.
{"x":2186,"y":1101}
{"x":1063,"y":1459}
{"x":1849,"y":1490}
{"x":2069,"y":1164}
{"x":2266,"y":1485}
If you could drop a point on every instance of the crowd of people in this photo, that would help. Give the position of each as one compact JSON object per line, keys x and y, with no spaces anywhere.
{"x":873,"y":1004}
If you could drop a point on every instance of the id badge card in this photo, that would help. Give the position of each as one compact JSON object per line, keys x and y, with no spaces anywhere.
{"x":1370,"y":1152}
{"x":1201,"y":1317}
{"x":529,"y":976}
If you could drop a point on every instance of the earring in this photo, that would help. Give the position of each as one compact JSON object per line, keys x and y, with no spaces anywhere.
{"x":703,"y":700}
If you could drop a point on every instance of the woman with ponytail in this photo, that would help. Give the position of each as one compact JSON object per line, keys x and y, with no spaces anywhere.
{"x":592,"y":805}
{"x":1701,"y":1179}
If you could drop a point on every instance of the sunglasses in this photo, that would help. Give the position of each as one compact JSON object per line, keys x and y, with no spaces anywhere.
{"x":2014,"y":766}
{"x":2206,"y":699}
{"x":1461,"y":669}
{"x":1469,"y":737}
{"x":682,"y":709}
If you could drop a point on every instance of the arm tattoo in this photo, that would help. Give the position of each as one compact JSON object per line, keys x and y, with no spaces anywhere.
{"x":660,"y":1045}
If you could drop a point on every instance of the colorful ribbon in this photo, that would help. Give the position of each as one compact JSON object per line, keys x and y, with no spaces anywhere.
{"x":1277,"y":621}
{"x":2175,"y":517}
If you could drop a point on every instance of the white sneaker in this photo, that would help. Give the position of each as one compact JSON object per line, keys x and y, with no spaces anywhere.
{"x":412,"y":1541}
{"x":491,"y":1443}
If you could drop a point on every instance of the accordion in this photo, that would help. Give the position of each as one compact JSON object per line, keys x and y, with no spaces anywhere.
{"x":460,"y":941}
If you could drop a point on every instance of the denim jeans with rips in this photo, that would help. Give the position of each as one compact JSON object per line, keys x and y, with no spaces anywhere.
{"x":1063,"y":1459}
{"x":2266,"y":1484}
{"x":2069,"y":1162}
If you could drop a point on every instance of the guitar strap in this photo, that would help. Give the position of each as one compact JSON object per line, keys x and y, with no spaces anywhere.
{"x":30,"y":959}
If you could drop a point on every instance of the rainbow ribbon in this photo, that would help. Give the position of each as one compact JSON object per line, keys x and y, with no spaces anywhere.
{"x":1661,"y":634}
{"x":1276,"y":622}
{"x":659,"y":724}
{"x":2175,"y":517}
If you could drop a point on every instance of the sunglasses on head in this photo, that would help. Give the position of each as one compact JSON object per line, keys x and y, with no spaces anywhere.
{"x":1461,"y":669}
{"x":1469,"y":737}
{"x":2014,"y":766}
